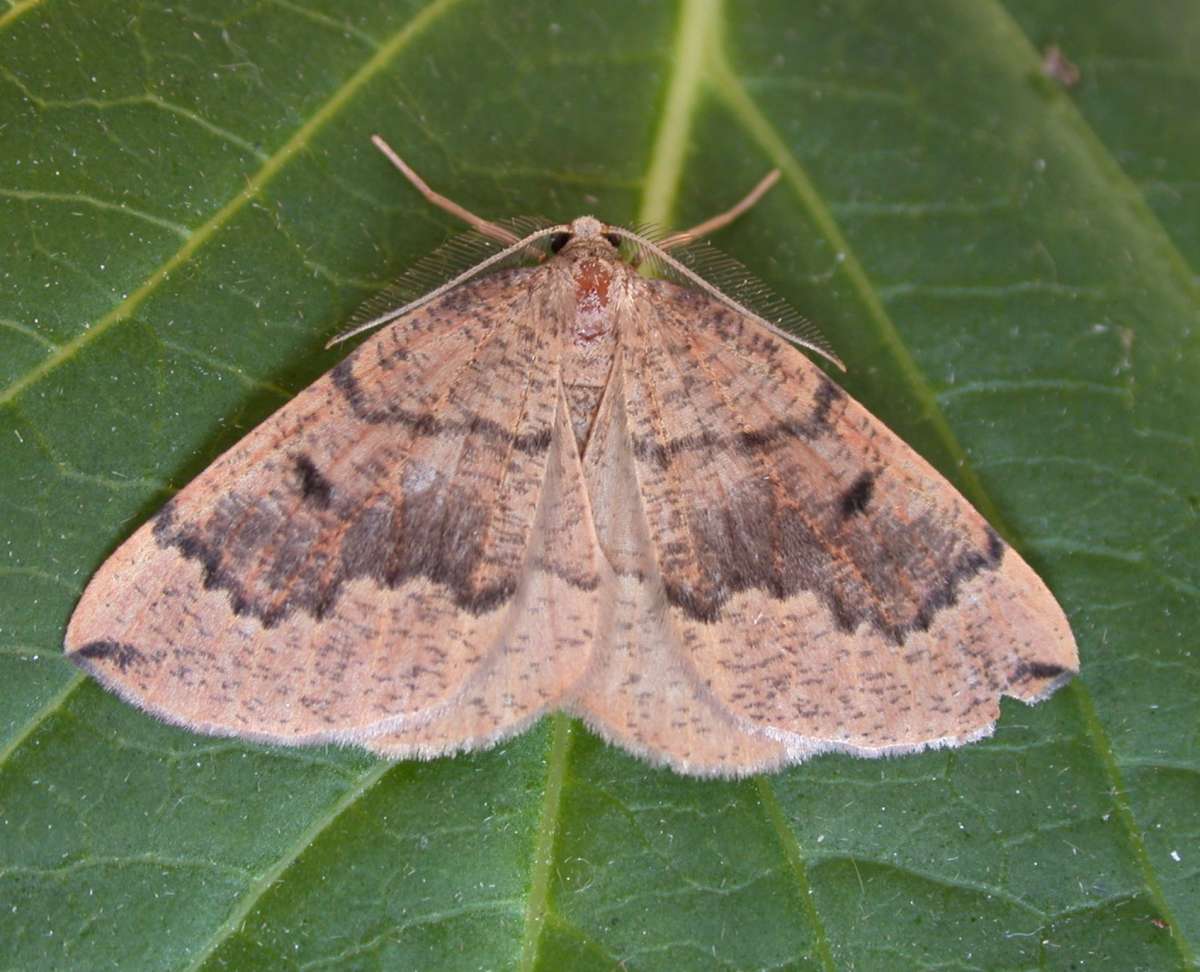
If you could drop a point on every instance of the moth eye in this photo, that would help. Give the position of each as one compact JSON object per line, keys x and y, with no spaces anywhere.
{"x":558,"y":241}
{"x":614,"y":239}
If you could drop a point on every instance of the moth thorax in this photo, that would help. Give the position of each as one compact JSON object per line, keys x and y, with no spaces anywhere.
{"x":587,"y":358}
{"x":593,"y":298}
{"x":593,"y":260}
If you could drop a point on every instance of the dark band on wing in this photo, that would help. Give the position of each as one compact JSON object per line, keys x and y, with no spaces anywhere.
{"x":904,"y":573}
{"x":1036,"y":671}
{"x":119,"y":653}
{"x":428,"y":425}
{"x":812,"y":426}
{"x":272,"y":562}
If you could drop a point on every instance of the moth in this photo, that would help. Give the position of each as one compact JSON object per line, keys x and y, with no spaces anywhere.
{"x":557,"y":481}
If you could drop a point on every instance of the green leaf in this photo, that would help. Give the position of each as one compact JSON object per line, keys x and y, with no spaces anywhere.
{"x":189,"y":207}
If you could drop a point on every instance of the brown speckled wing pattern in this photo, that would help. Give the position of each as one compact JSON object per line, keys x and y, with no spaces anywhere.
{"x":571,"y":487}
{"x":374,"y":555}
{"x":792,"y":578}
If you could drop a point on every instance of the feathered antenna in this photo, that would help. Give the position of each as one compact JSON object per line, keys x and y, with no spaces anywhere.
{"x":683,"y":257}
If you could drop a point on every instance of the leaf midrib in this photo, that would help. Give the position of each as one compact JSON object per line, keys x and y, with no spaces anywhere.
{"x":545,"y":841}
{"x":698,"y":46}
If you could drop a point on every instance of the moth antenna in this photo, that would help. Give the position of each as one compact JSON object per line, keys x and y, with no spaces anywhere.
{"x":519,"y":244}
{"x":478,"y":223}
{"x":656,"y":251}
{"x":710,"y":226}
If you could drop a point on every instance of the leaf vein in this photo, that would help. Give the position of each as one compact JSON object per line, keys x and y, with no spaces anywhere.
{"x":298,"y":142}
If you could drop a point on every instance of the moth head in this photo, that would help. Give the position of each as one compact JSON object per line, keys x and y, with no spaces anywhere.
{"x":585,"y":228}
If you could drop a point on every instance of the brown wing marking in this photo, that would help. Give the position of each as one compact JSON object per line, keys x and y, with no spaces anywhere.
{"x":354,"y":559}
{"x":642,"y":692}
{"x":835,"y":591}
{"x":548,"y":640}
